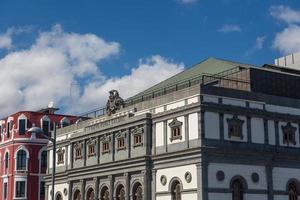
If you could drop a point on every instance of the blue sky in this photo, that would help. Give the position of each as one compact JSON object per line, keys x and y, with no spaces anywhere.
{"x":173,"y":33}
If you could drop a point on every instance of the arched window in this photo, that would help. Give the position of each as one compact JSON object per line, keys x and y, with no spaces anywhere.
{"x":58,"y":196}
{"x":137,"y":192}
{"x":292,"y":190}
{"x":21,"y":160}
{"x":90,"y":195}
{"x":120,"y":193}
{"x":176,"y":190}
{"x":237,"y":190}
{"x":45,"y":124}
{"x":77,"y":195}
{"x":44,"y":159}
{"x":104,"y":193}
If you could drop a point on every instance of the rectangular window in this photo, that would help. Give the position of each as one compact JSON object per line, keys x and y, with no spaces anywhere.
{"x":22,"y":126}
{"x":105,"y":147}
{"x":45,"y":126}
{"x":8,"y":129}
{"x":42,"y":189}
{"x":60,"y":159}
{"x":137,"y":140}
{"x":20,"y":189}
{"x":91,"y":151}
{"x":5,"y":190}
{"x":121,"y":143}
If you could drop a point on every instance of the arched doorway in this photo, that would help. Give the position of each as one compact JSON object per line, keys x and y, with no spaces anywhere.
{"x":120,"y":192}
{"x":176,"y":190}
{"x":104,"y":194}
{"x":237,"y":190}
{"x":292,"y":189}
{"x":58,"y":196}
{"x":77,"y":195}
{"x":90,"y":195}
{"x":137,"y":192}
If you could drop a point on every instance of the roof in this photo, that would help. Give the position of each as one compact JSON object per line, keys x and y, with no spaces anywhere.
{"x":208,"y":66}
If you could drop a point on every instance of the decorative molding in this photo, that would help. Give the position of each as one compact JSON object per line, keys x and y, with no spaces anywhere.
{"x":235,"y":127}
{"x":163,"y":180}
{"x":220,"y":175}
{"x":188,"y":177}
{"x":255,"y":177}
{"x":289,"y":134}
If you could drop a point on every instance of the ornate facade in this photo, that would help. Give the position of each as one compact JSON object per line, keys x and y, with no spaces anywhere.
{"x":23,"y":155}
{"x":219,"y":130}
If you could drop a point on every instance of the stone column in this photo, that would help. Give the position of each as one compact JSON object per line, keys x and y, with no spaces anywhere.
{"x":70,"y":190}
{"x":111,"y":187}
{"x":82,"y":184}
{"x":186,"y":124}
{"x":153,"y":184}
{"x":127,"y":185}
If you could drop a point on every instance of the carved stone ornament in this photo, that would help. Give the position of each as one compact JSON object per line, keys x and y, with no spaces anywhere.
{"x":114,"y":102}
{"x":255,"y":177}
{"x":60,"y":151}
{"x":289,"y":132}
{"x":121,"y":134}
{"x":137,"y":130}
{"x":78,"y":145}
{"x":175,"y":123}
{"x":188,"y":177}
{"x":220,"y":175}
{"x":105,"y":138}
{"x":163,"y":180}
{"x":91,"y":141}
{"x":235,"y":127}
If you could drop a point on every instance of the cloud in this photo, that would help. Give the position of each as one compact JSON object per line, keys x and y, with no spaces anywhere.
{"x":259,"y":42}
{"x":226,"y":28}
{"x":6,"y":38}
{"x":287,"y":41}
{"x":285,"y":14}
{"x":188,"y":1}
{"x":66,"y":68}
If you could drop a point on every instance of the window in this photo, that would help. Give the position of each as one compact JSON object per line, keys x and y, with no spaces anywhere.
{"x":44,"y":159}
{"x":137,"y":192}
{"x":292,"y":190}
{"x":120,"y":193}
{"x":77,"y":195}
{"x":237,"y":190}
{"x":42,"y":189}
{"x":105,"y":147}
{"x":289,"y":132}
{"x":137,"y":140}
{"x":0,"y":132}
{"x":64,"y":122}
{"x":5,"y":190}
{"x":121,"y":143}
{"x":20,"y":189}
{"x":78,"y":150}
{"x":60,"y":156}
{"x":6,"y":160}
{"x":176,"y":190}
{"x":176,"y":127}
{"x":8,"y":127}
{"x":58,"y":196}
{"x":235,"y":127}
{"x":21,"y":160}
{"x":104,"y":195}
{"x":46,"y":127}
{"x":91,"y":150}
{"x":22,"y":126}
{"x":90,"y":194}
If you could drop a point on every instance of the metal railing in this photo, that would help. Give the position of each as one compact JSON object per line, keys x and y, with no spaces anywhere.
{"x":198,"y":79}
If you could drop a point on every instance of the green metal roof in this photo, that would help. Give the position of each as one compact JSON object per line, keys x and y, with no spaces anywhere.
{"x":208,"y":66}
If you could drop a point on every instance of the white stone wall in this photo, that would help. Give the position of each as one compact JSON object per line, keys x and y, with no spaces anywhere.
{"x":193,"y":126}
{"x":257,"y":130}
{"x":177,"y":172}
{"x":212,"y":125}
{"x":232,"y":170}
{"x":271,"y":132}
{"x":59,"y":188}
{"x":159,"y":134}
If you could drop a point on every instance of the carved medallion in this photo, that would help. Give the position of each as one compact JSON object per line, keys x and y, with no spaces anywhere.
{"x":220,"y":175}
{"x":255,"y":177}
{"x":163,"y":180}
{"x":188,"y":177}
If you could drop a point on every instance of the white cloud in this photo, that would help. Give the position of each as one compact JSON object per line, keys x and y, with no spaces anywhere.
{"x":288,"y":40}
{"x":187,"y":1}
{"x":259,"y":42}
{"x":226,"y":28}
{"x":285,"y":14}
{"x":44,"y":72}
{"x":5,"y":40}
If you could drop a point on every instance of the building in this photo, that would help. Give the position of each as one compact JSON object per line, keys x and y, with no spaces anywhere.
{"x":23,"y":155}
{"x":219,"y":130}
{"x":290,"y":61}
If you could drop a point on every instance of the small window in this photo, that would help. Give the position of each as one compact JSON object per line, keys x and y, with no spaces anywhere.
{"x":137,"y":140}
{"x":78,"y":150}
{"x":44,"y":159}
{"x":6,"y":160}
{"x":235,"y":127}
{"x":91,"y":150}
{"x":176,"y":127}
{"x":65,"y":122}
{"x":289,"y":133}
{"x":46,"y":127}
{"x":105,"y":147}
{"x":5,"y":190}
{"x":22,"y":126}
{"x":42,"y":189}
{"x":121,"y":143}
{"x":60,"y":156}
{"x":21,"y":160}
{"x":8,"y":127}
{"x":20,"y":189}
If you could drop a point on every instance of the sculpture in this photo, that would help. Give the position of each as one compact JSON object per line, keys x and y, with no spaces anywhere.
{"x":114,"y":102}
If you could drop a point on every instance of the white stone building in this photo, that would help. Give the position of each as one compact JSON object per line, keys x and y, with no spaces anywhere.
{"x":219,"y":130}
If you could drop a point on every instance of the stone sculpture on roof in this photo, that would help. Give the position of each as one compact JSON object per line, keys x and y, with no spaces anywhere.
{"x":114,"y":102}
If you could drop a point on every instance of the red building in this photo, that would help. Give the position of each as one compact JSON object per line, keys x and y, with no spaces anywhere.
{"x":23,"y":155}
